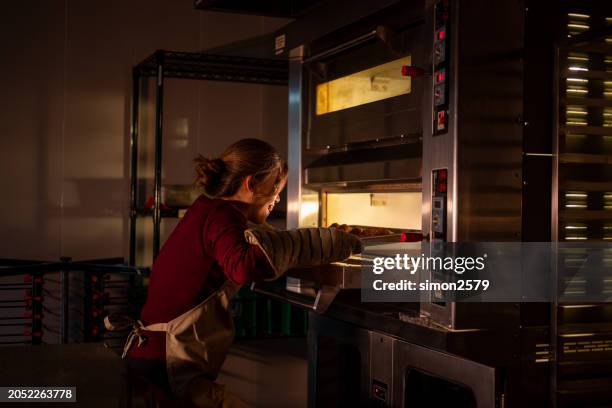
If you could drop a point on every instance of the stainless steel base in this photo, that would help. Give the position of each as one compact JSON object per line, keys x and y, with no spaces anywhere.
{"x":353,"y":366}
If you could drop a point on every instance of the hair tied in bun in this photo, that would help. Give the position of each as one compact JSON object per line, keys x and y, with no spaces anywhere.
{"x":216,"y":166}
{"x":209,"y":173}
{"x":222,"y":177}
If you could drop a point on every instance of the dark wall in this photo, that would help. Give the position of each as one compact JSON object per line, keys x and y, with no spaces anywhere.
{"x":65,"y":106}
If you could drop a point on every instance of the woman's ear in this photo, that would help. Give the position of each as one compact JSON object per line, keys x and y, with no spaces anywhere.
{"x":247,"y":184}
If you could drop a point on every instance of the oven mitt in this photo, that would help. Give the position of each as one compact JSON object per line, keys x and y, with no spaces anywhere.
{"x":303,"y":247}
{"x":263,"y":225}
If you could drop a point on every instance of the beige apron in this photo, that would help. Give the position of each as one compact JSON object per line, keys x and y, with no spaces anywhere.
{"x":197,"y":343}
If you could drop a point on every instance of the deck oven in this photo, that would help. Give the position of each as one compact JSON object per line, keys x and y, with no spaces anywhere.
{"x":399,"y":130}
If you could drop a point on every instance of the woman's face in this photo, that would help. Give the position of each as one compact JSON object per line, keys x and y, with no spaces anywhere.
{"x":261,"y":206}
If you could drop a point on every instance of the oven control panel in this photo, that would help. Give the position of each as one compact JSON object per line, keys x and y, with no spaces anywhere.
{"x":439,"y":218}
{"x":438,"y":204}
{"x":441,"y":55}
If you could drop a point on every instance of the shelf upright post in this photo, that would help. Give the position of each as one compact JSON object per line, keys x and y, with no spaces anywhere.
{"x":37,"y":309}
{"x":65,"y":301}
{"x":134,"y":163}
{"x":159,"y":109}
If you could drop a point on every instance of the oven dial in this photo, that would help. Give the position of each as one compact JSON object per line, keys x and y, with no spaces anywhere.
{"x":439,"y":52}
{"x":441,"y":120}
{"x":439,"y":95}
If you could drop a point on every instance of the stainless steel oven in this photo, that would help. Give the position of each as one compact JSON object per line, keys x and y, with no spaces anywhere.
{"x":402,"y":124}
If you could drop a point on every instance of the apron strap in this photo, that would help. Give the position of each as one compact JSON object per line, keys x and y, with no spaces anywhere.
{"x":157,"y":327}
{"x":118,"y":322}
{"x":137,"y":333}
{"x":230,"y":288}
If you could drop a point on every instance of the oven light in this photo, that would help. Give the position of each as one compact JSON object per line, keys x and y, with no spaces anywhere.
{"x":577,"y":69}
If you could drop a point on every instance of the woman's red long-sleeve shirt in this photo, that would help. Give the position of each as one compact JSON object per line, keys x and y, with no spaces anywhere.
{"x":206,"y":248}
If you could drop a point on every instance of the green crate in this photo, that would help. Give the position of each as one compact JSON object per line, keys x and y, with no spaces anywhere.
{"x":257,"y":316}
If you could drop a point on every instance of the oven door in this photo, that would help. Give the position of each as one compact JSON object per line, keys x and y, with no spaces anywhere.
{"x":368,"y":92}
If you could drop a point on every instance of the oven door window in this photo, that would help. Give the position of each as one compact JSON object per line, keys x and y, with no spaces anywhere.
{"x":370,"y":85}
{"x":401,"y":210}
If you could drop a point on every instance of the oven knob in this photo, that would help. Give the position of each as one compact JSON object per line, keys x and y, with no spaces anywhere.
{"x":441,"y":120}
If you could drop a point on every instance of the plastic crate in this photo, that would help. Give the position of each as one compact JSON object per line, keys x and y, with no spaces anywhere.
{"x":257,"y":316}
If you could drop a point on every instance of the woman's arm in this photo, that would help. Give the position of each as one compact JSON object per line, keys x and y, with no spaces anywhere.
{"x":224,"y":238}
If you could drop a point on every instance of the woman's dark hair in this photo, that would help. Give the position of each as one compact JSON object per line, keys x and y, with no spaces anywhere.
{"x":222,"y":177}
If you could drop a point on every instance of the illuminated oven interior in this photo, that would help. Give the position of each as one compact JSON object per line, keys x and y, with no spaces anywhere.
{"x":370,"y":85}
{"x":400,"y":210}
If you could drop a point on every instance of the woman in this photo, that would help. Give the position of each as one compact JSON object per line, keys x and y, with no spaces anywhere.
{"x":186,"y":327}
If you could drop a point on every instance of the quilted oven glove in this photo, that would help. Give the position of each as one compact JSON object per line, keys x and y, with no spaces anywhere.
{"x":303,"y":247}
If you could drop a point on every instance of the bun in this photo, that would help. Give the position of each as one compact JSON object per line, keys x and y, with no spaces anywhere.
{"x":209,"y":173}
{"x":223,"y":177}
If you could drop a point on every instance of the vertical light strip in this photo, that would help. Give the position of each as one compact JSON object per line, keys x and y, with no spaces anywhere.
{"x":262,"y":88}
{"x":199,"y":89}
{"x":63,"y":131}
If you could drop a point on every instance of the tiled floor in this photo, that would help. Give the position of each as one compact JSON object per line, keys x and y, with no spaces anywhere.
{"x":268,"y":373}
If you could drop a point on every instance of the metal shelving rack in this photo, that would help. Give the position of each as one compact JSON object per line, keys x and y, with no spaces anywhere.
{"x":66,"y":302}
{"x":185,"y":65}
{"x":581,"y":330}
